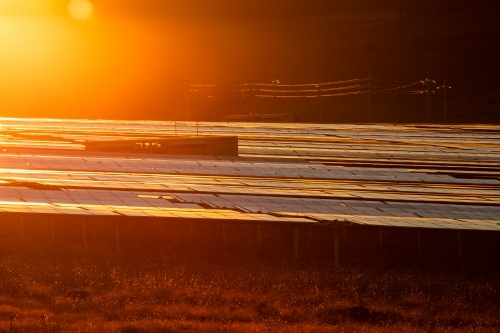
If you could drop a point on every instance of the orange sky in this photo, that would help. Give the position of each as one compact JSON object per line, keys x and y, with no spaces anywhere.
{"x":49,"y":59}
{"x":49,"y":45}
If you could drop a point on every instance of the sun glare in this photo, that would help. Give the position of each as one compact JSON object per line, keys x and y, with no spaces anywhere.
{"x":80,"y":9}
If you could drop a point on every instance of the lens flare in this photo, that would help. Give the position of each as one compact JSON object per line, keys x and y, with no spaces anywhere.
{"x":80,"y":9}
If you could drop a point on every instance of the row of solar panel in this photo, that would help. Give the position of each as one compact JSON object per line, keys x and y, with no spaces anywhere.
{"x":203,"y":184}
{"x":293,"y":149}
{"x":226,"y":168}
{"x":284,"y":196}
{"x":301,"y":187}
{"x":247,"y":208}
{"x":351,"y":131}
{"x":290,"y":149}
{"x":156,"y":125}
{"x":409,"y":132}
{"x":343,"y":207}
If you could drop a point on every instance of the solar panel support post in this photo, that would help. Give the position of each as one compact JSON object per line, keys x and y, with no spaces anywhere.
{"x":224,"y":234}
{"x":419,"y":246}
{"x":344,"y":234}
{"x":130,"y":225}
{"x":336,"y":248}
{"x":52,"y":234}
{"x":279,"y":237}
{"x":191,"y":229}
{"x":459,"y":241}
{"x":22,"y":228}
{"x":296,"y":242}
{"x":310,"y":233}
{"x":117,"y":238}
{"x":259,"y":239}
{"x":380,"y":237}
{"x":84,"y":238}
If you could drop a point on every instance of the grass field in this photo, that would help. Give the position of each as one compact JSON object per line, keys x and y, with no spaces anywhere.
{"x":169,"y":281}
{"x":146,"y":293}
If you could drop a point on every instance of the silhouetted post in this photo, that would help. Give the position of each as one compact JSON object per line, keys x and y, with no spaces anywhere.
{"x":52,"y":235}
{"x":320,"y":111}
{"x":310,"y":233}
{"x":444,"y":101}
{"x":22,"y":228}
{"x":187,"y":101}
{"x":117,"y":237}
{"x":370,"y":117}
{"x":259,"y":240}
{"x":224,"y":234}
{"x":276,"y":96}
{"x":336,"y":248}
{"x":191,"y":229}
{"x":419,"y":247}
{"x":12,"y":317}
{"x":428,"y":97}
{"x":276,"y":82}
{"x":296,"y":242}
{"x":279,"y":236}
{"x":380,"y":238}
{"x":84,"y":237}
{"x":130,"y":225}
{"x":459,"y":238}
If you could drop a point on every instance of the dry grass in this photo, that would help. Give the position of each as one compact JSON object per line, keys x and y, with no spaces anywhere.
{"x":90,"y":293}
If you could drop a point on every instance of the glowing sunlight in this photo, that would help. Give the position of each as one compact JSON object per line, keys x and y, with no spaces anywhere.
{"x":80,"y":9}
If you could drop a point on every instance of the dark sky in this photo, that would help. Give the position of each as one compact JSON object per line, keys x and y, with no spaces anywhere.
{"x":244,"y":39}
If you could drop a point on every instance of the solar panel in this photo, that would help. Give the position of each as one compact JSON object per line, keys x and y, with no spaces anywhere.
{"x":370,"y":175}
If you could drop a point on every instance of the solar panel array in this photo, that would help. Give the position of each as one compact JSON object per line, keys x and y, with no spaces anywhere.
{"x":414,"y":176}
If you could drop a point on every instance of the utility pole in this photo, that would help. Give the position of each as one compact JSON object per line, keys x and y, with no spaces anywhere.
{"x":275,"y":97}
{"x":187,"y":101}
{"x":276,"y":82}
{"x":428,"y":92}
{"x":315,"y":77}
{"x":198,"y":121}
{"x":320,"y":111}
{"x":370,"y":118}
{"x":444,"y":100}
